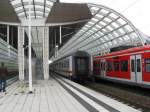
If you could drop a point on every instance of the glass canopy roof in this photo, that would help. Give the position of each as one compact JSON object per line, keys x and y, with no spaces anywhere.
{"x":40,"y":8}
{"x":105,"y":30}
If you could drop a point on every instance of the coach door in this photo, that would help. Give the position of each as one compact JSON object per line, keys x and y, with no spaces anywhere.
{"x":81,"y":65}
{"x":103,"y":67}
{"x":136,"y":68}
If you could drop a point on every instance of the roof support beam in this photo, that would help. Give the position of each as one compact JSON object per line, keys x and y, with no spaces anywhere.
{"x":44,"y":8}
{"x":97,"y":38}
{"x":110,"y":40}
{"x":91,"y":28}
{"x":34,"y":8}
{"x":24,"y":8}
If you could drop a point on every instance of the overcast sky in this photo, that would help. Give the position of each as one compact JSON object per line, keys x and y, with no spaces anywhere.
{"x":137,"y":11}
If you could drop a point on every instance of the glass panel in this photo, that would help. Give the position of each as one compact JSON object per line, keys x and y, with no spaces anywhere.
{"x":132,"y":65}
{"x":94,"y":29}
{"x":95,"y":8}
{"x":102,"y":23}
{"x":138,"y":65}
{"x":124,"y":66}
{"x":99,"y":16}
{"x":147,"y":65}
{"x":14,"y":2}
{"x":49,"y":3}
{"x":104,"y":11}
{"x":94,"y":19}
{"x":121,"y":21}
{"x":128,"y":28}
{"x":109,"y":66}
{"x":113,"y":16}
{"x":110,"y":28}
{"x":116,"y":66}
{"x":108,"y":20}
{"x":42,"y":1}
{"x":18,"y":8}
{"x":121,"y":31}
{"x":133,"y":35}
{"x":115,"y":25}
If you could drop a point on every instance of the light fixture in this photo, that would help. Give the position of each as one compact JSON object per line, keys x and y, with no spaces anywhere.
{"x":56,"y":46}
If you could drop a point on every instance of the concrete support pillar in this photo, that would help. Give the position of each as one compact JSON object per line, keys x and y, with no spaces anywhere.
{"x":21,"y":52}
{"x":8,"y":40}
{"x":60,"y":35}
{"x":46,"y":52}
{"x":8,"y":34}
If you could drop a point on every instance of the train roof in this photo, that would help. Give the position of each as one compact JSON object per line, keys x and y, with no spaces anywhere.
{"x":130,"y":50}
{"x":76,"y":53}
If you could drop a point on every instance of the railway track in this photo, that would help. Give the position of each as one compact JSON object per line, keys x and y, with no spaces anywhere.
{"x":134,"y":96}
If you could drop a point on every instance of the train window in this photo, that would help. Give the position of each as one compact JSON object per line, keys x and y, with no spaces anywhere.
{"x":132,"y":66}
{"x":81,"y":64}
{"x":101,"y":65}
{"x":124,"y":66}
{"x":98,"y":65}
{"x":109,"y":66}
{"x":116,"y":66}
{"x":104,"y":66}
{"x":147,"y":65}
{"x":94,"y":64}
{"x":138,"y":65}
{"x":67,"y":64}
{"x":64,"y":64}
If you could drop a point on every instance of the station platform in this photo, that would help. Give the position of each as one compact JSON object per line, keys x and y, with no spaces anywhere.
{"x":58,"y":95}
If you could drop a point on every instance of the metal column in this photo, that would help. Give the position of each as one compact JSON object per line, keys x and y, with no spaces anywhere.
{"x":8,"y":40}
{"x":29,"y":46}
{"x":8,"y":34}
{"x":21,"y":52}
{"x":60,"y":36}
{"x":46,"y":52}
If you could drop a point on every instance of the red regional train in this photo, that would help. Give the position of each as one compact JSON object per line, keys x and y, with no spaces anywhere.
{"x":131,"y":66}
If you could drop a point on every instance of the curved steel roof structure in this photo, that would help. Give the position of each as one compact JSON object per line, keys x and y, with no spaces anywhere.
{"x":105,"y":30}
{"x":40,"y":8}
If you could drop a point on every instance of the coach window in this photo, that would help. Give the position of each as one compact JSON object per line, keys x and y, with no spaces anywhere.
{"x":147,"y":65}
{"x":116,"y":66}
{"x":94,"y":64}
{"x":61,"y":64}
{"x":109,"y":66}
{"x":132,"y":66}
{"x":64,"y":64}
{"x":124,"y":66}
{"x":68,"y":64}
{"x":138,"y":65}
{"x":98,"y":65}
{"x":101,"y":65}
{"x":104,"y":65}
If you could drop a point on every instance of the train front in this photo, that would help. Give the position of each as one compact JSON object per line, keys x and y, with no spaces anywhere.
{"x":81,"y":62}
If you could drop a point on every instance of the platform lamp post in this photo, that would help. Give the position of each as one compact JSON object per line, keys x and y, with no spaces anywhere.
{"x":30,"y":55}
{"x":56,"y":51}
{"x":60,"y":35}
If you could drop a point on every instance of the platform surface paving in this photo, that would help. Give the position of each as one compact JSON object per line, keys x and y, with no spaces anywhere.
{"x":58,"y":95}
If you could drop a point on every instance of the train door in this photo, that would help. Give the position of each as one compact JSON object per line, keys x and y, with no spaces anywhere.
{"x":103,"y":67}
{"x":81,"y":65}
{"x":136,"y":68}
